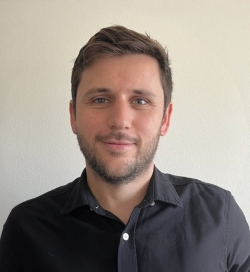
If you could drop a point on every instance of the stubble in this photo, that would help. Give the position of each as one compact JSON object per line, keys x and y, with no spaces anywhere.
{"x":131,"y":169}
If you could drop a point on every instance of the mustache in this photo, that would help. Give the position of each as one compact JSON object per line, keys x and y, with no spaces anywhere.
{"x":119,"y":136}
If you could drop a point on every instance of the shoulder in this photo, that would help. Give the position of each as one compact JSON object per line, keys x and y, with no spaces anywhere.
{"x":197,"y":198}
{"x":179,"y":181}
{"x":52,"y":201}
{"x":203,"y":198}
{"x":193,"y":188}
{"x":215,"y":202}
{"x":213,"y":209}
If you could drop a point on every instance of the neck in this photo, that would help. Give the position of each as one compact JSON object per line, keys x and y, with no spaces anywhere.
{"x":119,"y":199}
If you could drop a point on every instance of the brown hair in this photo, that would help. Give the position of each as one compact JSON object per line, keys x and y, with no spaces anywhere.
{"x":120,"y":41}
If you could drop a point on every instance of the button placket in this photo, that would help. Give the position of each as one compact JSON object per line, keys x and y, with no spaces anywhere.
{"x":127,"y":259}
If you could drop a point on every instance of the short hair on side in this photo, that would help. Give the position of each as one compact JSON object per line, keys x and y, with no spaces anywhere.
{"x":119,"y":41}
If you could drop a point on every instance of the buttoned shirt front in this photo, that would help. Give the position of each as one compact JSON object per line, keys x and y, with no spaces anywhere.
{"x":182,"y":225}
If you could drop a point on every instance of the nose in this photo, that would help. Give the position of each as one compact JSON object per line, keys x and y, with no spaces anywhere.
{"x":120,"y":115}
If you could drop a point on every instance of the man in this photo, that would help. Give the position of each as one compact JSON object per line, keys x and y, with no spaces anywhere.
{"x":123,"y":214}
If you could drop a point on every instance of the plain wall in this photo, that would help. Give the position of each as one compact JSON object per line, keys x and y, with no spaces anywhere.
{"x":209,"y":47}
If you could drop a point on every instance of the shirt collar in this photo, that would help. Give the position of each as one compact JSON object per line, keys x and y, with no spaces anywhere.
{"x":164,"y":189}
{"x":78,"y":196}
{"x":160,"y":188}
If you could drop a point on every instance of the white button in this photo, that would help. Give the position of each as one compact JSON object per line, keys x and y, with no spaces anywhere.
{"x":153,"y":203}
{"x":125,"y":236}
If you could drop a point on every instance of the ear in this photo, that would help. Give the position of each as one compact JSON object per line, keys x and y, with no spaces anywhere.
{"x":72,"y":116}
{"x":166,"y":119}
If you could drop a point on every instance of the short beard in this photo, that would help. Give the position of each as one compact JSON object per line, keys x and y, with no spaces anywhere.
{"x":133,"y":169}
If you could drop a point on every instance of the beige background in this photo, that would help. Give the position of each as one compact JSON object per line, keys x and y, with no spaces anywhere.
{"x":209,"y":45}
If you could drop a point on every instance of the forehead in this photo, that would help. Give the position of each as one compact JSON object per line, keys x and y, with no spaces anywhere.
{"x":133,"y":70}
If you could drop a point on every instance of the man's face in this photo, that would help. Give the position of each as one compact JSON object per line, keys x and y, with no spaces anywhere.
{"x":119,"y":116}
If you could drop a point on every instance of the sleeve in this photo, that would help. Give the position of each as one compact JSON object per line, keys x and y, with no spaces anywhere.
{"x":9,"y":259}
{"x":238,"y":259}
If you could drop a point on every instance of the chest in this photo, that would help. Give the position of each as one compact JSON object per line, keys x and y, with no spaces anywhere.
{"x":156,"y":238}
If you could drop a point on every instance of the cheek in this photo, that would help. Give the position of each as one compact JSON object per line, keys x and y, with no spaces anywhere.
{"x":148,"y":127}
{"x":88,"y":124}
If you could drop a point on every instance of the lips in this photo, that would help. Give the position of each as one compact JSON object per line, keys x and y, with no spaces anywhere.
{"x":117,"y":138}
{"x":117,"y":145}
{"x":117,"y":141}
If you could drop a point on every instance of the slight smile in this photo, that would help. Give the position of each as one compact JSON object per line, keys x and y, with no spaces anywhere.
{"x":117,"y":145}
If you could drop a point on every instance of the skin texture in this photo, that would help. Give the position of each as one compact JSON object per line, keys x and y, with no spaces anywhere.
{"x":118,"y":121}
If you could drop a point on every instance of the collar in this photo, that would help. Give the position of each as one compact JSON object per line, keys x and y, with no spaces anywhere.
{"x":164,"y":189}
{"x":160,"y":189}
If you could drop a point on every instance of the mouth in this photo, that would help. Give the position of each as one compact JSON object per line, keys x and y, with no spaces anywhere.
{"x":117,"y":141}
{"x":118,"y":145}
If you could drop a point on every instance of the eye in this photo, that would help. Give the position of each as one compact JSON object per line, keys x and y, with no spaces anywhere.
{"x":140,"y":101}
{"x":100,"y":100}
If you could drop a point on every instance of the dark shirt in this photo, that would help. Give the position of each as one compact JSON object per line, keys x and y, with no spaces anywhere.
{"x":182,"y":225}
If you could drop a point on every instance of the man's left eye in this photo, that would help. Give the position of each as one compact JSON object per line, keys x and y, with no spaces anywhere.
{"x":140,"y":101}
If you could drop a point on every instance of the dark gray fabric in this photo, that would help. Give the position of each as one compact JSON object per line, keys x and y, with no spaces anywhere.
{"x":182,"y":225}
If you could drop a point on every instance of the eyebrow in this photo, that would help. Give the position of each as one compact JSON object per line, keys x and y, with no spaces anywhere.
{"x":98,"y":90}
{"x":144,"y":92}
{"x":95,"y":91}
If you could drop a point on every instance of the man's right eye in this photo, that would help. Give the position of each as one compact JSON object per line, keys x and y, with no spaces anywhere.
{"x":100,"y":100}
